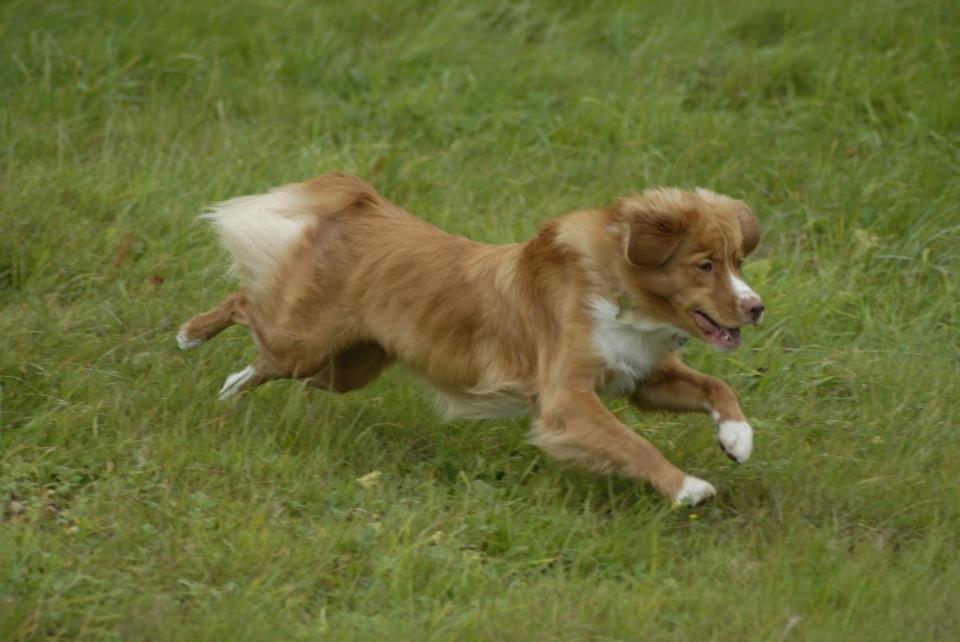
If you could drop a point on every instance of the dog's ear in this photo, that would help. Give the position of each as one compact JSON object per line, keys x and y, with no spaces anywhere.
{"x":653,"y":235}
{"x":749,"y":229}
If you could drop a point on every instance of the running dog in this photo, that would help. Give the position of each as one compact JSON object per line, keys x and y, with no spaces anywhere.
{"x":339,"y":283}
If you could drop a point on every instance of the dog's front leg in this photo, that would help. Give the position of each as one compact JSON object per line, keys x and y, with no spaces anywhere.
{"x":574,"y":425}
{"x":676,"y":386}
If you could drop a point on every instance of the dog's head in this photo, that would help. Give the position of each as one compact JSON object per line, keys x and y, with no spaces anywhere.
{"x":683,"y":252}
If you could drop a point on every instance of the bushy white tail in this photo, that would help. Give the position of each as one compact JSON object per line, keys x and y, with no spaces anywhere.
{"x":259,"y":230}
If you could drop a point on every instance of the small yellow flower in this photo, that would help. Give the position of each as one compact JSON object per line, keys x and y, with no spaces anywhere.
{"x":370,"y":480}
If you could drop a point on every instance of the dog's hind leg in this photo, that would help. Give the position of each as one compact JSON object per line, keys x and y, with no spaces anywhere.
{"x":352,"y":368}
{"x":349,"y":369}
{"x":268,"y":367}
{"x":206,"y":325}
{"x":238,"y":382}
{"x":248,"y":379}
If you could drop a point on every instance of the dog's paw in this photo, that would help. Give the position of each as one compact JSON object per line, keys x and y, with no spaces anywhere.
{"x":185,"y":341}
{"x":694,"y":491}
{"x":235,"y":382}
{"x":736,"y":439}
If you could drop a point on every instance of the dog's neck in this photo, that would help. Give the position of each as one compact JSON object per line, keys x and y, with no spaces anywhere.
{"x":596,"y":237}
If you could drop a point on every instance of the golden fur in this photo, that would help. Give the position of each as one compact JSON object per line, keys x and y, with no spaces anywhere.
{"x":340,"y":283}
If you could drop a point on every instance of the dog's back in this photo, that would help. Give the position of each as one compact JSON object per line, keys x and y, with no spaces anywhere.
{"x":329,"y":264}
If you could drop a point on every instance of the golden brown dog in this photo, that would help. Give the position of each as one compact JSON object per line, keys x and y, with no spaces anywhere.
{"x":339,"y":283}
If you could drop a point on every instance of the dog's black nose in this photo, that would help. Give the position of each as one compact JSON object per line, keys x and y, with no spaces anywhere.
{"x":756,"y":311}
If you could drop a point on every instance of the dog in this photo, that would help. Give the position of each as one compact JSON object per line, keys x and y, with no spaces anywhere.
{"x":339,"y":283}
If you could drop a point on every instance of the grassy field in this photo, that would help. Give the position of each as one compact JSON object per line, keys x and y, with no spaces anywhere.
{"x":134,"y":506}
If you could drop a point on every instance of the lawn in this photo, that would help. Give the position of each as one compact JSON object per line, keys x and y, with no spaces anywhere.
{"x":134,"y":506}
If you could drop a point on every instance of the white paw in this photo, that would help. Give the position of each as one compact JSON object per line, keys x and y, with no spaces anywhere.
{"x":234,"y":383}
{"x":693,"y":491}
{"x":736,"y":439}
{"x":186,"y":342}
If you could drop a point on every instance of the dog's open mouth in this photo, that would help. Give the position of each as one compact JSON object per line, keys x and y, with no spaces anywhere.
{"x":716,"y":334}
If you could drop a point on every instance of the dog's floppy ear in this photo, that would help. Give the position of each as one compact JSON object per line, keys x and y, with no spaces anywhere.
{"x":653,"y":235}
{"x":749,"y":229}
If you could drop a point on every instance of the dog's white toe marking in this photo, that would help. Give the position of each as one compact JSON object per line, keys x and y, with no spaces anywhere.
{"x":694,"y":490}
{"x":736,"y":438}
{"x":234,"y":383}
{"x":186,"y":342}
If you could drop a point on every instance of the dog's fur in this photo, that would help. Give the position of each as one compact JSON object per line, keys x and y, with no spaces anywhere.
{"x":339,"y":283}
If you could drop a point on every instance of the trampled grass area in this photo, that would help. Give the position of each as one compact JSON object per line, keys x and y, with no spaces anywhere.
{"x":136,"y":507}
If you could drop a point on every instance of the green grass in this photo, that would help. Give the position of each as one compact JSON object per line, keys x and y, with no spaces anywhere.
{"x":134,"y":506}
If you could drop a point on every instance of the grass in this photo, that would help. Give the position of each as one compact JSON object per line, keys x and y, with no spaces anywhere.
{"x":134,"y":506}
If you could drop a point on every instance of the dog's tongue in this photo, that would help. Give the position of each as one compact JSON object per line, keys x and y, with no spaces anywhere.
{"x":730,"y":339}
{"x":726,"y":338}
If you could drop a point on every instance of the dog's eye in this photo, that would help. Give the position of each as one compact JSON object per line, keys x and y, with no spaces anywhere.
{"x":706,"y":266}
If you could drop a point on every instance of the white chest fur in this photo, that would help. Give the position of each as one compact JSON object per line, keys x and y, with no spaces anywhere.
{"x":630,"y":345}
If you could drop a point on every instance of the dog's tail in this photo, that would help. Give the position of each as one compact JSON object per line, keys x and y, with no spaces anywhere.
{"x":260,"y":230}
